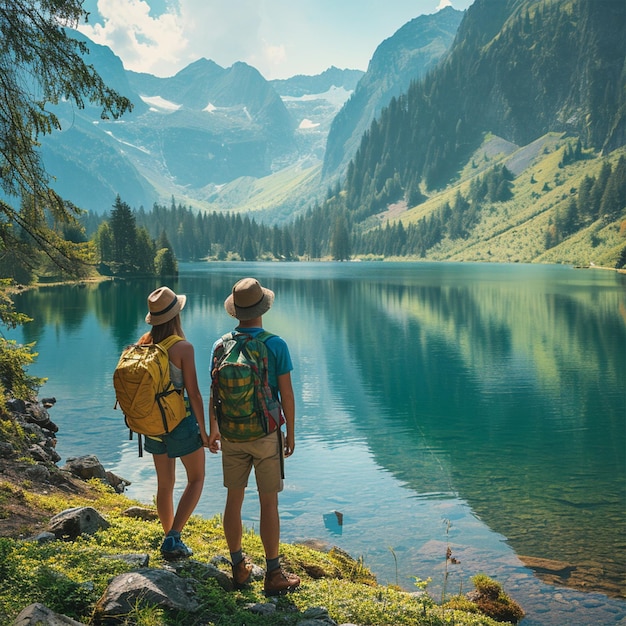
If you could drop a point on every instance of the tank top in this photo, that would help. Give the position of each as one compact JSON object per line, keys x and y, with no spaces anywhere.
{"x":176,"y":376}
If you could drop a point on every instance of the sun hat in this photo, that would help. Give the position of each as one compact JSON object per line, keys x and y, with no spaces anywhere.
{"x":164,"y":305}
{"x":248,"y":300}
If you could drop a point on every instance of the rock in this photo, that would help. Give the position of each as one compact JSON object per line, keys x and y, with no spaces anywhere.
{"x":37,"y":414}
{"x":140,"y":512}
{"x":16,"y":406}
{"x":37,"y":453}
{"x":49,"y":447}
{"x":334,"y":522}
{"x":316,"y":544}
{"x":204,"y":571}
{"x":37,"y":473}
{"x":7,"y":451}
{"x":262,"y":608}
{"x":44,"y":537}
{"x":547,"y":565}
{"x":145,"y":587}
{"x":72,"y":523}
{"x":117,"y":482}
{"x":317,"y":615}
{"x":40,"y":615}
{"x":135,"y":560}
{"x":85,"y":467}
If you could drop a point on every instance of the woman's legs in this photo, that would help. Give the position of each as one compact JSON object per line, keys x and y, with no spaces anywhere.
{"x":194,"y":466}
{"x":166,"y":477}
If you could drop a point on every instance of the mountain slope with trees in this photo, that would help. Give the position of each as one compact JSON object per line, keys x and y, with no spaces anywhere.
{"x":518,"y":69}
{"x":404,"y":57}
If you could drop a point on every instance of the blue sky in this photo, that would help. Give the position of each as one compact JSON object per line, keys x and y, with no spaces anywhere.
{"x":281,"y":38}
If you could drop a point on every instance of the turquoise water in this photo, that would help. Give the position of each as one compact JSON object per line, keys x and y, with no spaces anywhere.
{"x":471,"y":406}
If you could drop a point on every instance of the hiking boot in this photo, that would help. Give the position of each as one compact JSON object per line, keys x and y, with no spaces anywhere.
{"x":242,"y":572}
{"x":173,"y":548}
{"x":279,"y":582}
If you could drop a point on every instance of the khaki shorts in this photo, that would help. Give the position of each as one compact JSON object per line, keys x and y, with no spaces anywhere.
{"x":263,"y":454}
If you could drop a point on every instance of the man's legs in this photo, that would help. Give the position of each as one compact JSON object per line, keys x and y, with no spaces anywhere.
{"x":270,"y":524}
{"x":277,"y":581}
{"x":242,"y":566}
{"x":232,"y":518}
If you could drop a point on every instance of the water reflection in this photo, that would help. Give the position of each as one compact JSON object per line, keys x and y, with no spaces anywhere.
{"x":493,"y":392}
{"x":520,"y":388}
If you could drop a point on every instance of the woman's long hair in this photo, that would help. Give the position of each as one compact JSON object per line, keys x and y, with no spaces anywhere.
{"x":163,"y":331}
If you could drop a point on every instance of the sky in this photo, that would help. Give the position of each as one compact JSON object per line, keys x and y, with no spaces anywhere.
{"x":281,"y":38}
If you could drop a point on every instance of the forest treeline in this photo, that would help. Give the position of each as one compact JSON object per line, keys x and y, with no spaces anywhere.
{"x":150,"y":242}
{"x":140,"y":241}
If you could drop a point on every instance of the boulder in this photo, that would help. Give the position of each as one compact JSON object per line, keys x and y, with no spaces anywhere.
{"x":40,"y":615}
{"x":141,"y":512}
{"x":117,"y":482}
{"x":72,"y":523}
{"x":203,"y":571}
{"x":145,"y":587}
{"x":85,"y":467}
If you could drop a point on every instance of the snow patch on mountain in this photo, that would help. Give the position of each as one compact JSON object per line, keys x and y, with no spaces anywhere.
{"x":307,"y":124}
{"x":157,"y":103}
{"x":335,"y":95}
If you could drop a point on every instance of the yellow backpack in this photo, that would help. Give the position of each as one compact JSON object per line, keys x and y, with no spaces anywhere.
{"x":144,"y":390}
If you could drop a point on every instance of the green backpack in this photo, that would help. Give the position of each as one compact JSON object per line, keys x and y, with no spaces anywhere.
{"x":144,"y":390}
{"x":245,"y":407}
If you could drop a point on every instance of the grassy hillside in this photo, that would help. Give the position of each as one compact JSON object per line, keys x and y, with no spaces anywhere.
{"x":515,"y":231}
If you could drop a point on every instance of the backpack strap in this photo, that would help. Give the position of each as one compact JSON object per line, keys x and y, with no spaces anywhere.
{"x":264,"y":336}
{"x":168,"y":342}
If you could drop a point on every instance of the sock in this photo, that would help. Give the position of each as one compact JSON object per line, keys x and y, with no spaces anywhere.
{"x":173,"y":533}
{"x":236,"y":557}
{"x":272,"y":564}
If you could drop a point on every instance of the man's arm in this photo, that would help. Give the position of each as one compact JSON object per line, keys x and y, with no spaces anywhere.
{"x":288,"y":403}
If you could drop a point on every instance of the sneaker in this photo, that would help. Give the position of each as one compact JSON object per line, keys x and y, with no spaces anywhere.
{"x":279,"y":582}
{"x":173,"y":548}
{"x":242,"y":572}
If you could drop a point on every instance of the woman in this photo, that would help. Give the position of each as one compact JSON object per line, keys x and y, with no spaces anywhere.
{"x":188,"y":439}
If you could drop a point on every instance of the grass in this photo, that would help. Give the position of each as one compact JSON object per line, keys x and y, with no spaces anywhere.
{"x":70,"y":577}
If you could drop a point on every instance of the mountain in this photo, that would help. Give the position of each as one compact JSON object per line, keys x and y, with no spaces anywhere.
{"x":313,"y":102}
{"x":302,"y":85}
{"x":190,"y":134}
{"x":404,"y":57}
{"x":541,"y":81}
{"x":518,"y":69}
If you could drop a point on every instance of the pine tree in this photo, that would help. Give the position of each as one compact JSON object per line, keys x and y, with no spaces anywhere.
{"x":340,"y":240}
{"x":41,"y":64}
{"x":123,"y":230}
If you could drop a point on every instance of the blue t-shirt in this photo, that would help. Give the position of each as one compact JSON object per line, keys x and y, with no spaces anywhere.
{"x":277,"y":347}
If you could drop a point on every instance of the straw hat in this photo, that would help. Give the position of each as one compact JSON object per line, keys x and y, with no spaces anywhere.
{"x":248,"y":300}
{"x":164,"y":305}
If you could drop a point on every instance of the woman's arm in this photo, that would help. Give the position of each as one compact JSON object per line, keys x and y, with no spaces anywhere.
{"x":184,"y":353}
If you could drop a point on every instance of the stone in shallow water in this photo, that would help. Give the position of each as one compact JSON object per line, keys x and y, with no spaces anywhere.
{"x":547,"y":565}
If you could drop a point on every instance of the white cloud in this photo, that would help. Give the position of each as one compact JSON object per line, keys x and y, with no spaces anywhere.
{"x":144,"y":42}
{"x":280,"y":38}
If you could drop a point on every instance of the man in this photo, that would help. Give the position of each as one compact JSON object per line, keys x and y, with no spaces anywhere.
{"x":247,"y":303}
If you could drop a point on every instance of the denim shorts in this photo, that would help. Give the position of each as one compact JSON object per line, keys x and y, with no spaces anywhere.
{"x":183,"y":440}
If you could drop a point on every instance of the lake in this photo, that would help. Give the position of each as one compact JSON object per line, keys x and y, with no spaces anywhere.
{"x":475,"y":407}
